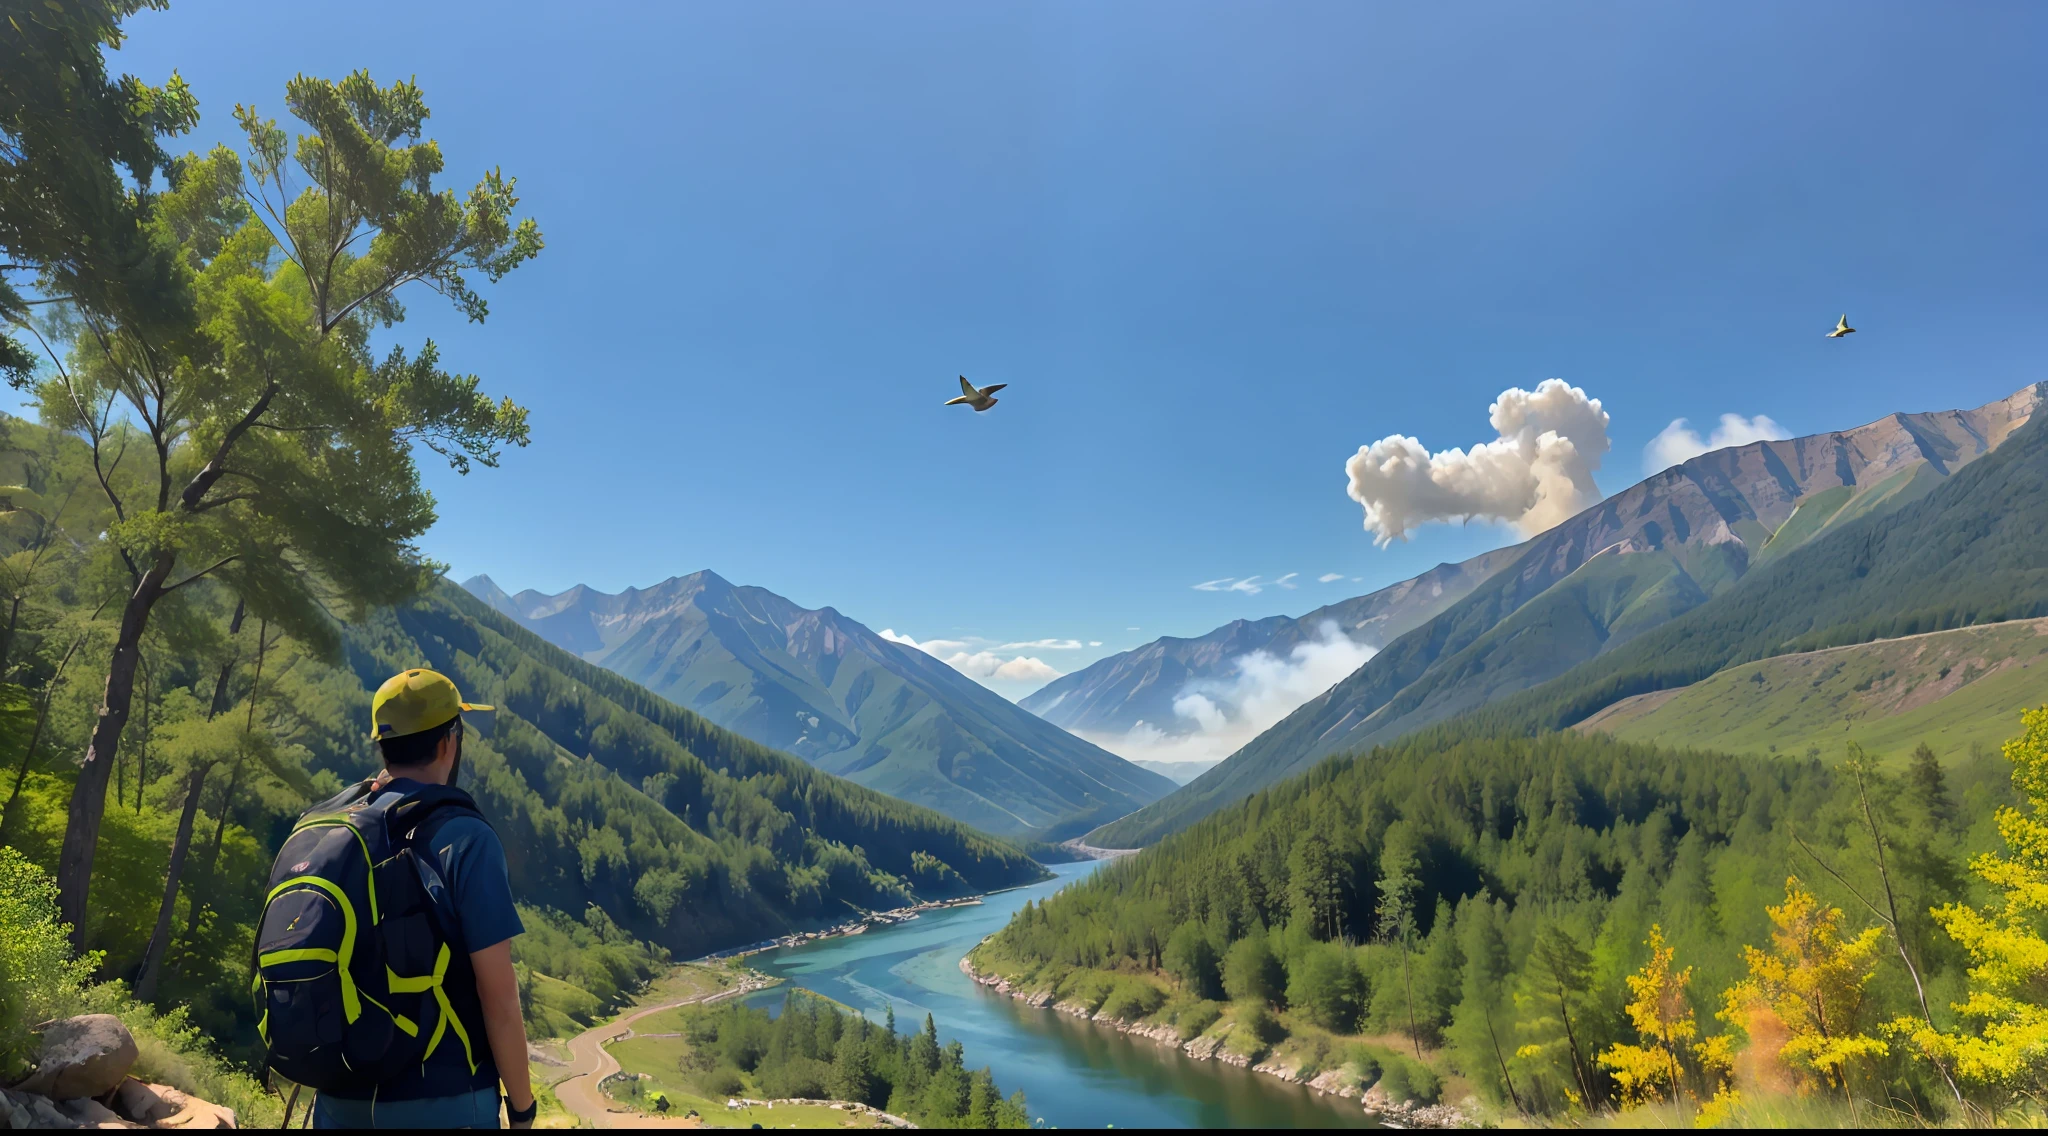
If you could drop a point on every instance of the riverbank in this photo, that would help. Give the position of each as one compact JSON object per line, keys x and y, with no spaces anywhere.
{"x":1210,"y":1046}
{"x":590,"y":1064}
{"x":858,"y":926}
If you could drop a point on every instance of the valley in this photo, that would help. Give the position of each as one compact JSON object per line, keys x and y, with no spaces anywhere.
{"x":823,"y":687}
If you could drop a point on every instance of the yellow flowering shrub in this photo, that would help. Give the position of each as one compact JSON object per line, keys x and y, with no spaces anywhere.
{"x":2008,"y":992}
{"x":1658,"y":1008}
{"x":1812,"y":980}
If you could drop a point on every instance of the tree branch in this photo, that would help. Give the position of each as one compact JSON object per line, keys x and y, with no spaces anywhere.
{"x":221,"y":563}
{"x":205,"y":478}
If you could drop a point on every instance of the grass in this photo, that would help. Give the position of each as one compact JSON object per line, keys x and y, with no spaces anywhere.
{"x":660,"y":1059}
{"x":1955,"y":690}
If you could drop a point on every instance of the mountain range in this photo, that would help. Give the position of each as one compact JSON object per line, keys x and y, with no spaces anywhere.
{"x":1634,"y":563}
{"x":819,"y":685}
{"x":1138,"y":689}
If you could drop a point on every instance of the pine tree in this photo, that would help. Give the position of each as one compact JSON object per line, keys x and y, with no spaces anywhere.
{"x":1930,"y":786}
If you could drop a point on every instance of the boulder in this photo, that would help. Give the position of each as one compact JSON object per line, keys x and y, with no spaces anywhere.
{"x":85,"y":1056}
{"x":87,"y":1113}
{"x":190,"y":1112}
{"x":140,"y":1102}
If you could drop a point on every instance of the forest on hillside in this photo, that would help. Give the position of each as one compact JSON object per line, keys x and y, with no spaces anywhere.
{"x":208,"y":558}
{"x":1572,"y":923}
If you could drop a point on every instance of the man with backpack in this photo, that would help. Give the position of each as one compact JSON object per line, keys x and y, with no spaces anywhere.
{"x":384,"y":956}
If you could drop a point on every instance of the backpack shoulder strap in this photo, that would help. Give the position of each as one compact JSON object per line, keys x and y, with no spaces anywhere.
{"x":427,"y":808}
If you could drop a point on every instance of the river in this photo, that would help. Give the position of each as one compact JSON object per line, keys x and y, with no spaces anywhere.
{"x":1076,"y":1074}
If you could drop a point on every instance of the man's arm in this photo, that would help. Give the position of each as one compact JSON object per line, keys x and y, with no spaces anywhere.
{"x":498,"y":987}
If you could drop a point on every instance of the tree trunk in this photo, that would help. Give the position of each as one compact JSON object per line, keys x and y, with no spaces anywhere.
{"x":220,"y":830}
{"x":152,"y":958}
{"x":219,"y":704}
{"x":220,"y":827}
{"x":1502,"y":1060}
{"x":89,"y":795}
{"x":1572,"y":1038}
{"x":1408,"y":985}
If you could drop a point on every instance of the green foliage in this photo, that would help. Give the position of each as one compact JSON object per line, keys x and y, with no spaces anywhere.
{"x":1252,"y":972}
{"x":814,"y":1049}
{"x":1406,"y":1079}
{"x":1191,"y":958}
{"x":1326,"y":988}
{"x":40,"y":979}
{"x":1130,"y":1000}
{"x":1509,"y":884}
{"x":578,"y":970}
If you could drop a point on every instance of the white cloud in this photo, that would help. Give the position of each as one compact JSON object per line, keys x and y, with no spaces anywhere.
{"x":1329,"y":576}
{"x":1134,"y":629}
{"x":1679,"y":442}
{"x":1536,"y":473}
{"x":1286,"y":581}
{"x":985,"y":665}
{"x":1250,"y":585}
{"x":1213,"y":718}
{"x":1043,"y":645}
{"x":1095,"y":642}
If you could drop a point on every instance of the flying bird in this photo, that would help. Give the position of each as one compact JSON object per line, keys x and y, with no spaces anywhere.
{"x":1842,"y":328}
{"x":980,"y":398}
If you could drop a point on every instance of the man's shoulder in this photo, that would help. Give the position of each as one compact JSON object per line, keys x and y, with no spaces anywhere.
{"x":461,"y":832}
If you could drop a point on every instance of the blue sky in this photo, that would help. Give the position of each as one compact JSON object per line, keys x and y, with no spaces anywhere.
{"x":1213,"y":249}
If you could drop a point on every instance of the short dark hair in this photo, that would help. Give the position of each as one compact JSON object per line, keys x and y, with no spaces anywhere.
{"x":410,"y":751}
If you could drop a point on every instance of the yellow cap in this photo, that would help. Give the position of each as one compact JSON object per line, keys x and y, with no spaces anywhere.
{"x":412,"y":701}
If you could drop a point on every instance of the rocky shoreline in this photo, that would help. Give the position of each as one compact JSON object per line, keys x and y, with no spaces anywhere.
{"x":850,"y":927}
{"x":1331,"y":1082}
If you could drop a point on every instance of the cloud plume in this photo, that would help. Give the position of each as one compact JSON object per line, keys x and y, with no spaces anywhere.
{"x":1213,"y":718}
{"x":1537,"y":472}
{"x":1679,"y":442}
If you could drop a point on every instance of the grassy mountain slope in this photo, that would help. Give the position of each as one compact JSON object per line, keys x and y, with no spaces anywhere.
{"x":1955,"y":690}
{"x":1671,"y":546}
{"x":1971,"y":551}
{"x":824,"y":687}
{"x":687,"y":834}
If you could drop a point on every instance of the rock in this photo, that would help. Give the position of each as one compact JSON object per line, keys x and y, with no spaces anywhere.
{"x":88,"y":1113}
{"x":141,"y":1102}
{"x":43,"y":1114}
{"x":85,"y":1056}
{"x":14,"y":1113}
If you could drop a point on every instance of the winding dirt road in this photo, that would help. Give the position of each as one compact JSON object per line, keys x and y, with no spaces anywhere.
{"x":590,"y":1063}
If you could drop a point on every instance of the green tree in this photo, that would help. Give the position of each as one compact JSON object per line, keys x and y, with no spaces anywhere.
{"x":1396,"y":915}
{"x":1252,"y":973}
{"x":853,"y":1074}
{"x":1481,"y":1025}
{"x":1325,"y":985}
{"x":1314,"y":885}
{"x":1930,"y":785}
{"x":82,"y":151}
{"x":279,"y":450}
{"x":1191,"y":958}
{"x":1560,"y":976}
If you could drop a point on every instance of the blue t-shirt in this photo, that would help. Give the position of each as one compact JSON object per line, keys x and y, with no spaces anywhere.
{"x":472,"y":863}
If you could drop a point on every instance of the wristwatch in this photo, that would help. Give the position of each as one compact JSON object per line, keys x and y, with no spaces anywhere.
{"x":522,"y":1115}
